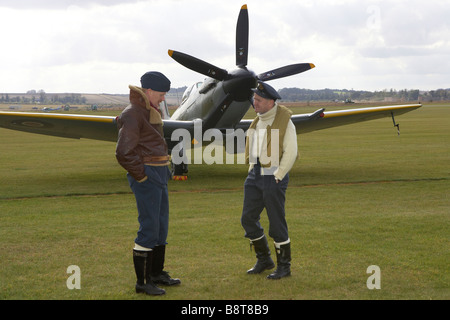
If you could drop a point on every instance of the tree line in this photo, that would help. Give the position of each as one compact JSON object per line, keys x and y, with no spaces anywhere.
{"x":296,"y":94}
{"x":40,"y":97}
{"x":287,"y":94}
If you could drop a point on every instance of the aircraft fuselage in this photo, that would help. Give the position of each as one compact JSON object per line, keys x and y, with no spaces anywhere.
{"x":229,"y":98}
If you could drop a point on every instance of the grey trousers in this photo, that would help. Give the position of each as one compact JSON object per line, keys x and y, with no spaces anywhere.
{"x":262,"y":191}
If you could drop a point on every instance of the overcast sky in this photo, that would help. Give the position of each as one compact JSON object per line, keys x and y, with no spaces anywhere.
{"x":101,"y":46}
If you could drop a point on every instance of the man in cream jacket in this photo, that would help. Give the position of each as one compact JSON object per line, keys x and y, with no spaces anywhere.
{"x":271,"y":150}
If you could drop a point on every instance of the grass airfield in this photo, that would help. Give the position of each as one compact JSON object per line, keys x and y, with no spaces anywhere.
{"x":359,"y":195}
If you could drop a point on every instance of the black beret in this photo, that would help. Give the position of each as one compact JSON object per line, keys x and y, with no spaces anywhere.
{"x":266,"y":91}
{"x":156,"y":81}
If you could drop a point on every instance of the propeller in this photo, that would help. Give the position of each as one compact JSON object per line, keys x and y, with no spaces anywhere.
{"x":210,"y":70}
{"x":237,"y":83}
{"x":242,"y":38}
{"x":285,"y":71}
{"x":199,"y":66}
{"x":215,"y":115}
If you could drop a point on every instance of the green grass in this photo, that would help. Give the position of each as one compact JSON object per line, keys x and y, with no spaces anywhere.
{"x":359,"y":195}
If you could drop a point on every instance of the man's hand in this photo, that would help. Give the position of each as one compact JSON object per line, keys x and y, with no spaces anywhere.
{"x":143,"y":179}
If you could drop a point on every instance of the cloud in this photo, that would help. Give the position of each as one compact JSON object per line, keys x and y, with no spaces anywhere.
{"x":59,"y":4}
{"x":103,"y":45}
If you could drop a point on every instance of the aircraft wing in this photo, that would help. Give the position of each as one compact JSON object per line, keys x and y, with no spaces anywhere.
{"x":76,"y":126}
{"x":320,"y":119}
{"x":105,"y":128}
{"x":332,"y":119}
{"x":62,"y":125}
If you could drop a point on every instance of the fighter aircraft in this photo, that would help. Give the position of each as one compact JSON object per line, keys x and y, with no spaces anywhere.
{"x":219,"y":102}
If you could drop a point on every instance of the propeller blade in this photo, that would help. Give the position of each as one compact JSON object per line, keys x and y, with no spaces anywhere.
{"x":199,"y":66}
{"x":216,"y":114}
{"x":242,"y":37}
{"x":285,"y":71}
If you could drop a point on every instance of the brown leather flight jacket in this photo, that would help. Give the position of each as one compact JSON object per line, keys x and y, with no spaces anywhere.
{"x":141,"y":139}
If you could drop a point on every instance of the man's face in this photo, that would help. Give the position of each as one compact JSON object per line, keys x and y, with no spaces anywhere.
{"x":155,"y":97}
{"x":262,"y":105}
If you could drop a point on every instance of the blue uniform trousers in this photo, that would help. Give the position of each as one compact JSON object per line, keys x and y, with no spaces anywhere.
{"x":262,"y":191}
{"x":152,"y":202}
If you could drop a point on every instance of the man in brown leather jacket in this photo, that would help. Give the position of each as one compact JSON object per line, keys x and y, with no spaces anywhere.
{"x":142,"y":151}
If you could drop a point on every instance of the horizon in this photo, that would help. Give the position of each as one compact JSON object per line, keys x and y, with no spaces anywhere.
{"x":171,"y":91}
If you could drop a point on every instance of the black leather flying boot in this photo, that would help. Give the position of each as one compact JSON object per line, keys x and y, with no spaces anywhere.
{"x":158,"y":275}
{"x":264,"y":261}
{"x":141,"y":259}
{"x":283,"y":262}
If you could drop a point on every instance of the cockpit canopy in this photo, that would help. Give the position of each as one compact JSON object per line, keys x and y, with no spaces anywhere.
{"x":188,"y":91}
